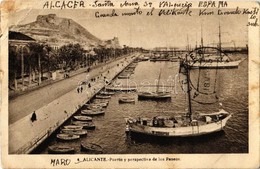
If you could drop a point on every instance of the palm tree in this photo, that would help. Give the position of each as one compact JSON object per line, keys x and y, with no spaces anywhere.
{"x":37,"y":51}
{"x":13,"y":67}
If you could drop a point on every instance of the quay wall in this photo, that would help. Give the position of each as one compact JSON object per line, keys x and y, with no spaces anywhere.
{"x":25,"y":135}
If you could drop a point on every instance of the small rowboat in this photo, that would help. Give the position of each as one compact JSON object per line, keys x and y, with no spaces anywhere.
{"x":76,"y":132}
{"x":106,"y":93}
{"x":103,"y":97}
{"x":85,"y":125}
{"x":101,"y":101}
{"x":60,"y":150}
{"x":91,"y":106}
{"x":67,"y":137}
{"x":92,"y":148}
{"x":126,"y":100}
{"x":97,"y":105}
{"x":93,"y":112}
{"x":83,"y":118}
{"x":73,"y":127}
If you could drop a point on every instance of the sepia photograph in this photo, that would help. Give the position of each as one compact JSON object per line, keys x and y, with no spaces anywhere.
{"x":108,"y":78}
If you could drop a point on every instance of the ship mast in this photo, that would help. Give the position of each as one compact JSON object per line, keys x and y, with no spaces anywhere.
{"x":157,"y":89}
{"x":186,"y":66}
{"x":219,"y":36}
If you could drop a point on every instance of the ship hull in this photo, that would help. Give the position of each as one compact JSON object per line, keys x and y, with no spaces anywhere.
{"x":188,"y":131}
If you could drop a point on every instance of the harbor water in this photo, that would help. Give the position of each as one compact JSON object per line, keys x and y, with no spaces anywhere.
{"x":230,"y":93}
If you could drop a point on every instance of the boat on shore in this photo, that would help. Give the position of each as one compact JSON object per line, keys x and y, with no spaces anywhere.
{"x":75,"y":131}
{"x":93,"y":112}
{"x":126,"y":100}
{"x":67,"y":137}
{"x":83,"y":118}
{"x":57,"y":149}
{"x":85,"y":125}
{"x":91,"y":148}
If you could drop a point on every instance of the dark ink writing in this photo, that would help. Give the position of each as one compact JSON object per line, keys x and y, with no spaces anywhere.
{"x":182,"y":11}
{"x":57,"y":162}
{"x":103,"y":15}
{"x":63,"y":4}
{"x":103,"y":4}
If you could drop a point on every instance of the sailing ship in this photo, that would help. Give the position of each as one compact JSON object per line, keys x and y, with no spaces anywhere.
{"x":211,"y":57}
{"x":185,"y":125}
{"x":155,"y":95}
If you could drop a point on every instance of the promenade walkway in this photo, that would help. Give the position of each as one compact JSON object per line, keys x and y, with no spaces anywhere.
{"x":53,"y":105}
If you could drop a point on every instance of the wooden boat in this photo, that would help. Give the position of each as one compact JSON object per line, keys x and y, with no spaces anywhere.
{"x":92,"y":148}
{"x":121,"y":88}
{"x":83,"y":118}
{"x":101,"y":101}
{"x":211,"y":57}
{"x":124,"y":76}
{"x":215,"y":64}
{"x":126,"y":100}
{"x":74,"y":131}
{"x":93,"y":112}
{"x":155,"y":95}
{"x":60,"y":150}
{"x":75,"y":127}
{"x":177,"y":127}
{"x":103,"y":97}
{"x":67,"y":137}
{"x":85,"y":125}
{"x":187,"y":125}
{"x":96,"y":105}
{"x":106,"y":93}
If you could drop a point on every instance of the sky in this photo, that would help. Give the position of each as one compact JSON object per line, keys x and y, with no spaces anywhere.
{"x":151,"y":31}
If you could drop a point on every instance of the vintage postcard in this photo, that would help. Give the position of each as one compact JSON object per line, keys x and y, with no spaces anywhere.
{"x":129,"y":84}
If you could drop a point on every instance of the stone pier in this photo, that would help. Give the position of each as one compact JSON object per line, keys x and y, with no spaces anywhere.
{"x":25,"y":135}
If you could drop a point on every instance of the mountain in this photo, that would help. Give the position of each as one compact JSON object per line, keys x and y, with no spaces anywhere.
{"x":58,"y":31}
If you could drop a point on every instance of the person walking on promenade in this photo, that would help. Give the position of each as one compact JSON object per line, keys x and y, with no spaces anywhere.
{"x":78,"y":89}
{"x":33,"y":118}
{"x":81,"y":89}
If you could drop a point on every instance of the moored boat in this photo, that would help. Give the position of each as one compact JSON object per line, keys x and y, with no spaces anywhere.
{"x":124,"y":76}
{"x":85,"y":125}
{"x":83,"y":118}
{"x":73,"y":127}
{"x":93,"y":112}
{"x":165,"y":126}
{"x":154,"y":95}
{"x":121,"y":88}
{"x":103,"y":96}
{"x":126,"y":100}
{"x":67,"y":137}
{"x":57,"y":149}
{"x":74,"y":131}
{"x":91,"y":148}
{"x":187,"y":125}
{"x":96,"y":105}
{"x":106,"y":93}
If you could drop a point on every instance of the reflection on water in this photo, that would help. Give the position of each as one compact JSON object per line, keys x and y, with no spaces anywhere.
{"x":110,"y":129}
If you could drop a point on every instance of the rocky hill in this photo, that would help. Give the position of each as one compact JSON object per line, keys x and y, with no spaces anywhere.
{"x":58,"y":31}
